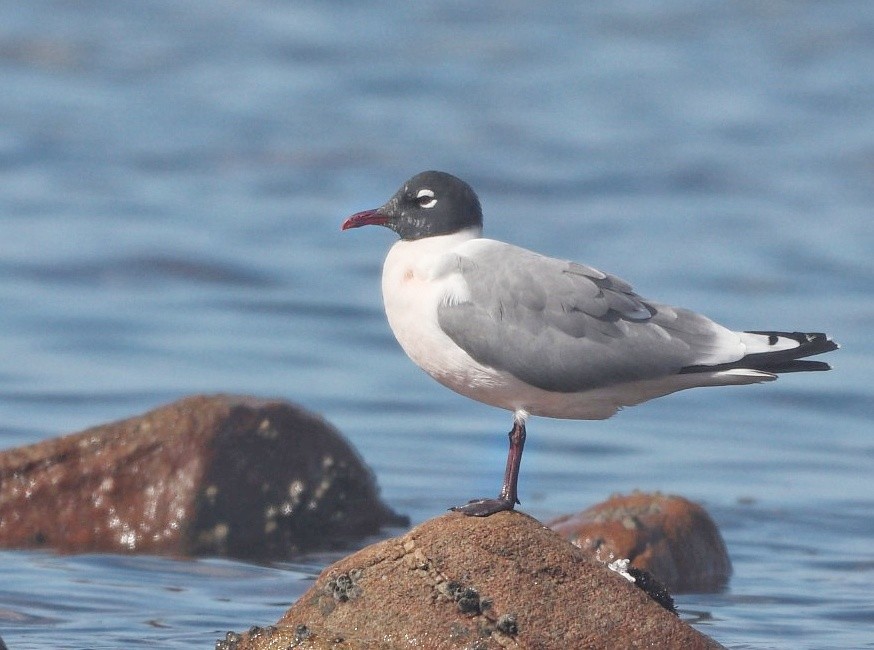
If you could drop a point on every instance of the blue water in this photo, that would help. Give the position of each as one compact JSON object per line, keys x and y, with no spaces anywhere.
{"x":172,"y":180}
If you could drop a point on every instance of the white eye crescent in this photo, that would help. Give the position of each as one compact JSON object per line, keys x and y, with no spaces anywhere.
{"x":426,"y":198}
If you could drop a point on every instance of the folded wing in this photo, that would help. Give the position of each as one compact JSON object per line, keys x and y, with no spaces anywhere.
{"x":566,"y":327}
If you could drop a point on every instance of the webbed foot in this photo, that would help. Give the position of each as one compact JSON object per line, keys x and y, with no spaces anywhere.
{"x":484,"y":507}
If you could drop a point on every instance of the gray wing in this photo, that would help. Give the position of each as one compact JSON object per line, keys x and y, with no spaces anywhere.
{"x":566,"y":327}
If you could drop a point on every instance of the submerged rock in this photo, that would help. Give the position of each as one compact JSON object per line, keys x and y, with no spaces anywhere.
{"x":216,"y":475}
{"x":504,"y":581}
{"x":671,"y":537}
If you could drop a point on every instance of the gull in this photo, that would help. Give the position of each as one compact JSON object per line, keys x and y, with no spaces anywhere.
{"x":541,"y":336}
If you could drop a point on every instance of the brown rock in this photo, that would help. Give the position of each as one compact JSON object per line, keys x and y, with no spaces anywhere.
{"x":669,"y":536}
{"x":220,"y":475}
{"x":504,"y":581}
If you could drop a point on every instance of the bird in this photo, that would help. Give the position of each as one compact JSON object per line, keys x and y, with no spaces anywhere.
{"x":540,"y":336}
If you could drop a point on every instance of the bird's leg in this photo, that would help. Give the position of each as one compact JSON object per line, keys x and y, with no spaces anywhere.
{"x":508,"y":498}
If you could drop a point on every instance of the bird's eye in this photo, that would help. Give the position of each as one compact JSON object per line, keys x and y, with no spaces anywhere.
{"x":425,"y":199}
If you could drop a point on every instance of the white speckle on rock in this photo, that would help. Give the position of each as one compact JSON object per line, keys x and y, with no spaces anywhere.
{"x":621,"y":567}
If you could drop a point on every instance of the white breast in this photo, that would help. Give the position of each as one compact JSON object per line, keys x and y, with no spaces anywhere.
{"x":417,"y":277}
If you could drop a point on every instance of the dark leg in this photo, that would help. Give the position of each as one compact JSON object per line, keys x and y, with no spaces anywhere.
{"x":508,"y":498}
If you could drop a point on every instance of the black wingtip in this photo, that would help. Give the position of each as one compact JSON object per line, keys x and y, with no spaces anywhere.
{"x":803,"y":365}
{"x":809,"y":343}
{"x":780,"y":361}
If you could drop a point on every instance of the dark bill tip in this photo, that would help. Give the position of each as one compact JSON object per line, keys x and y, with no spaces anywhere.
{"x":366,"y":218}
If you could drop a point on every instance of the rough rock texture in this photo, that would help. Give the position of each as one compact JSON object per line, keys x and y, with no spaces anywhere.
{"x":504,"y":581}
{"x":669,"y":536}
{"x":220,"y":475}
